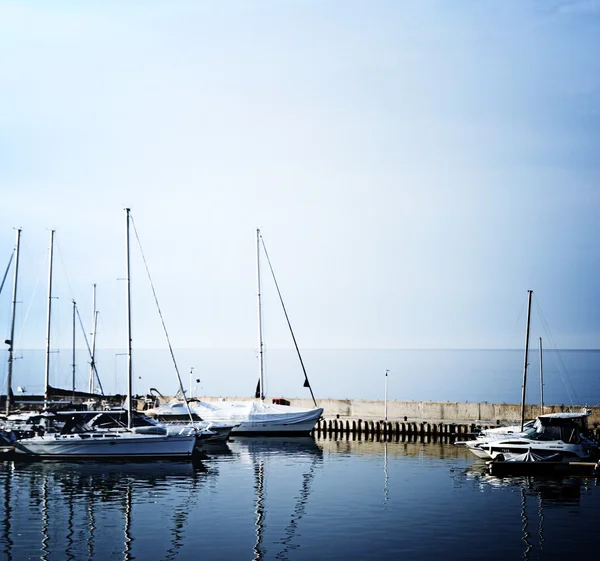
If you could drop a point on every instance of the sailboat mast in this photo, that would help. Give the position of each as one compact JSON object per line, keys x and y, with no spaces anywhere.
{"x":529,"y":293}
{"x":93,"y":353}
{"x":49,"y":316}
{"x":129,"y":370}
{"x":260,"y":392}
{"x":541,"y":381}
{"x":74,"y":317}
{"x":11,"y":342}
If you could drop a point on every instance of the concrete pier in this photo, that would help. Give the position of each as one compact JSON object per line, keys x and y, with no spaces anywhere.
{"x":492,"y":414}
{"x":430,"y":419}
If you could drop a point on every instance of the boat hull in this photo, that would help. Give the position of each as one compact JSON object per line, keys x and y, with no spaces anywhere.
{"x":106,"y":446}
{"x":478,"y":450}
{"x":274,"y":428}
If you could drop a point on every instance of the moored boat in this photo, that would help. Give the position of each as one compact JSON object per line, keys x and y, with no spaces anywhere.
{"x":71,"y":436}
{"x":554,"y":437}
{"x":247,"y":417}
{"x":255,"y":416}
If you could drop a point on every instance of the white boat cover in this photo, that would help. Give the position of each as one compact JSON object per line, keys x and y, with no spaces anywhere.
{"x":532,"y":456}
{"x":268,"y":416}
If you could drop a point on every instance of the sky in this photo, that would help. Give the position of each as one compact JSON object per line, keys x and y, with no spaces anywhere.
{"x":415,"y":167}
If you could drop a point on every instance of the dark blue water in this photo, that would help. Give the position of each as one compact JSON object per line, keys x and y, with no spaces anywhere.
{"x":297,"y":499}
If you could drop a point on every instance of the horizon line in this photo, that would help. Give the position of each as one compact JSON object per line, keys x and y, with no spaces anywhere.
{"x":67,"y":349}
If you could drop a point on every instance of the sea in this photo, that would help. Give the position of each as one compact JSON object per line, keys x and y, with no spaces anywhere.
{"x":308,"y":498}
{"x":569,"y":377}
{"x":295,"y":498}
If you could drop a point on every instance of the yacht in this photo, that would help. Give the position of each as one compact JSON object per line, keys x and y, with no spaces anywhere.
{"x":179,"y":413}
{"x":555,"y":437}
{"x":479,"y":446}
{"x":69,"y":434}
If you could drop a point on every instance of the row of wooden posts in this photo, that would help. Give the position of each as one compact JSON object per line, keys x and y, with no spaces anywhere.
{"x":396,"y":428}
{"x":382,"y":428}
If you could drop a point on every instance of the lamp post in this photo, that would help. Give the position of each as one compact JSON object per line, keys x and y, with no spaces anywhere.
{"x":191,"y":371}
{"x":385,"y":396}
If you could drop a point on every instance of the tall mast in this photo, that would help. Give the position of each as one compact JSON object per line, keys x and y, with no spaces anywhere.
{"x":541,"y":381}
{"x":74,"y":314}
{"x":93,"y":353}
{"x":260,"y":390}
{"x":11,"y":341}
{"x":129,"y":370}
{"x":47,"y":369}
{"x":529,"y":293}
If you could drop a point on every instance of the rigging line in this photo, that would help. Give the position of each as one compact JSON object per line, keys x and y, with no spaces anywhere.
{"x":62,"y":262}
{"x":89,"y":350}
{"x":306,"y":382}
{"x":519,"y":320}
{"x":7,"y":269}
{"x":159,"y":310}
{"x":558,"y":358}
{"x":43,"y":265}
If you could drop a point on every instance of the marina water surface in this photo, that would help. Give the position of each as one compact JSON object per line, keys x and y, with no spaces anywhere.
{"x":296,"y":499}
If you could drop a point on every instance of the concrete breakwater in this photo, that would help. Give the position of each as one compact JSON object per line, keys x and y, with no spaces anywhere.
{"x":445,"y":412}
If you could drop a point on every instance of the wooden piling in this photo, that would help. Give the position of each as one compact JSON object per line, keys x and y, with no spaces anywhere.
{"x":425,"y":431}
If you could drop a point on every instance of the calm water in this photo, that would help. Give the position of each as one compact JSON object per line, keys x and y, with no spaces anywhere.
{"x":297,"y":499}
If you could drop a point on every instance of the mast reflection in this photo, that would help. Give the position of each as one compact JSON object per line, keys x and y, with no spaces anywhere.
{"x":261,"y":451}
{"x":259,"y":486}
{"x":549,"y":492}
{"x":7,"y":542}
{"x":57,"y":508}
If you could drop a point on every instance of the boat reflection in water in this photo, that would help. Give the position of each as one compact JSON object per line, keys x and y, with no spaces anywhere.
{"x":283,"y":521}
{"x":538,"y":495}
{"x":84,"y":510}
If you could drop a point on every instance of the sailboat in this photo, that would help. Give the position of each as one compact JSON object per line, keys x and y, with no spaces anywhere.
{"x":256,"y":416}
{"x":68,"y":437}
{"x":551,"y":437}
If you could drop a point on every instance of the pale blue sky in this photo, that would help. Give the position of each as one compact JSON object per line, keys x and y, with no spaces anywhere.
{"x":415,"y":168}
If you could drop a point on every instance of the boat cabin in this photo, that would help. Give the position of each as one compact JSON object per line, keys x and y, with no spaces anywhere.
{"x":568,"y":427}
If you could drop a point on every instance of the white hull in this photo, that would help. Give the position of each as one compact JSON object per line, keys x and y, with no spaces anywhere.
{"x":268,"y":427}
{"x":220,"y":431}
{"x":480,"y":446}
{"x":478,"y":449}
{"x":98,"y":445}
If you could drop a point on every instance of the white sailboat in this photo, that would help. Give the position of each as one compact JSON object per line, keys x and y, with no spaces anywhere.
{"x":76,"y":440}
{"x":556,"y":436}
{"x":256,"y":416}
{"x":479,"y":445}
